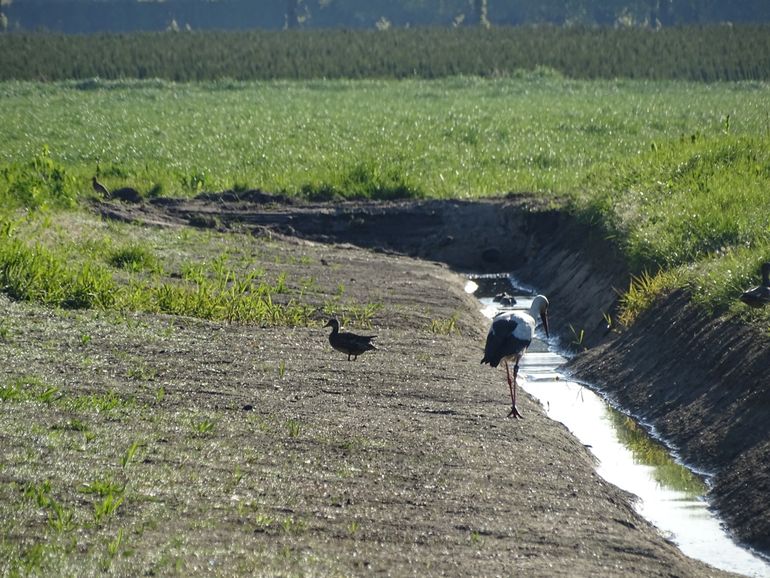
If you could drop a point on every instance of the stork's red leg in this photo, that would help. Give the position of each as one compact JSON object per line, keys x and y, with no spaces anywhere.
{"x":512,"y":386}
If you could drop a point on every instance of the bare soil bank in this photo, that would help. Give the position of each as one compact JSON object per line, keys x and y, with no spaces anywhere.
{"x":514,"y":480}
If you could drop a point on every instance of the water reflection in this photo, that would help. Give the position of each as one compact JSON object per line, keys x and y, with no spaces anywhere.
{"x":669,"y":495}
{"x":647,"y":451}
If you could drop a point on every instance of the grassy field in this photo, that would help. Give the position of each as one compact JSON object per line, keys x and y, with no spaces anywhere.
{"x":677,"y":172}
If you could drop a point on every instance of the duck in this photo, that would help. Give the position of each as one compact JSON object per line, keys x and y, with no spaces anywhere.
{"x":349,"y":343}
{"x":759,"y":295}
{"x":99,"y":188}
{"x":504,"y":299}
{"x":508,"y":339}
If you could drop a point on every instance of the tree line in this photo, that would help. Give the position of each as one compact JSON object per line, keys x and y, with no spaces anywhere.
{"x":90,"y":16}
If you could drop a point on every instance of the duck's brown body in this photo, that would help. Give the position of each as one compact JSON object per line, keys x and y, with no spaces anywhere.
{"x":759,"y":296}
{"x":349,"y":343}
{"x":100,"y":188}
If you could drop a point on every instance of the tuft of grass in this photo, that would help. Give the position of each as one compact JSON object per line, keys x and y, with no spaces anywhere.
{"x":105,"y":486}
{"x":444,"y":326}
{"x":130,"y":454}
{"x":203,"y":427}
{"x":29,"y":388}
{"x":293,"y":427}
{"x":107,"y":507}
{"x":134,"y":257}
{"x":642,"y":292}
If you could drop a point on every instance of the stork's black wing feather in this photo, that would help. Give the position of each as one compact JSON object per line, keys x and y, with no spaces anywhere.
{"x":500,"y":334}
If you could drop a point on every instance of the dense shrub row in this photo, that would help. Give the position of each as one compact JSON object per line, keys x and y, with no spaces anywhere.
{"x":709,"y":53}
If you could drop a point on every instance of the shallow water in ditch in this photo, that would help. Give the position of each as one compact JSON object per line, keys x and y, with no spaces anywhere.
{"x":670,"y":495}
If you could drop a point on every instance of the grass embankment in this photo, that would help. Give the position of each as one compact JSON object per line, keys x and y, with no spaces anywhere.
{"x":676,"y":172}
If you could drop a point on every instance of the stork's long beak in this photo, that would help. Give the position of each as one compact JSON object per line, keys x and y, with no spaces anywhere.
{"x":544,"y":318}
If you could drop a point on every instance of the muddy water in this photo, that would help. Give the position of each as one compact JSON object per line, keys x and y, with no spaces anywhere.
{"x":670,"y":495}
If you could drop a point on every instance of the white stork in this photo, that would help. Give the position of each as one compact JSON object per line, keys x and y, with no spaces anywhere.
{"x":509,"y":337}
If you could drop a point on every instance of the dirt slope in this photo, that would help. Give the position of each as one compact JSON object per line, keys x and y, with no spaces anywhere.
{"x":261,"y":451}
{"x":702,"y":382}
{"x":440,"y":480}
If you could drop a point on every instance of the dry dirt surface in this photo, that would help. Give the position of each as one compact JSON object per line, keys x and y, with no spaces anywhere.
{"x":244,"y":450}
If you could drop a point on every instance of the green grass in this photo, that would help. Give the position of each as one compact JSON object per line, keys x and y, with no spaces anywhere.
{"x":444,"y":138}
{"x":675,"y":172}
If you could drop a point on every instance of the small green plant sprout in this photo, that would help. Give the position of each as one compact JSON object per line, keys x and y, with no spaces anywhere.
{"x":281,"y":368}
{"x":290,"y":525}
{"x":49,"y":394}
{"x":203,"y":427}
{"x":578,"y":336}
{"x":113,"y":546}
{"x":130,"y":454}
{"x":444,"y":326}
{"x":106,"y":508}
{"x":294,"y":428}
{"x":353,"y":528}
{"x":60,"y":518}
{"x":263,"y":522}
{"x":39,"y":493}
{"x":85,"y":339}
{"x":607,"y":320}
{"x":160,"y":393}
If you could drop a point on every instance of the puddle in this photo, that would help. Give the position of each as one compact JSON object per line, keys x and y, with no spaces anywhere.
{"x":670,"y":495}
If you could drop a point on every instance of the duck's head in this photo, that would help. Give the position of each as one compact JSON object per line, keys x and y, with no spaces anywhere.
{"x":333,"y":323}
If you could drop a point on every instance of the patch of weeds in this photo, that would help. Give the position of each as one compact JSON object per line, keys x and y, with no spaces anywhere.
{"x":160,"y":393}
{"x":203,"y":427}
{"x":100,"y":402}
{"x":281,"y":368}
{"x":293,"y":427}
{"x":362,"y":315}
{"x":60,"y":518}
{"x":642,"y":292}
{"x":85,"y":339}
{"x":28,"y":388}
{"x":40,"y":494}
{"x":263,"y":522}
{"x":141,"y":371}
{"x":291,"y":525}
{"x":445,"y":326}
{"x":32,"y":559}
{"x":107,"y":507}
{"x":134,"y":258}
{"x":103,"y":487}
{"x":113,"y":546}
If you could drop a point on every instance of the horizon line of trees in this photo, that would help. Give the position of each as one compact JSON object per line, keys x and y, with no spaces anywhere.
{"x":119,"y":16}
